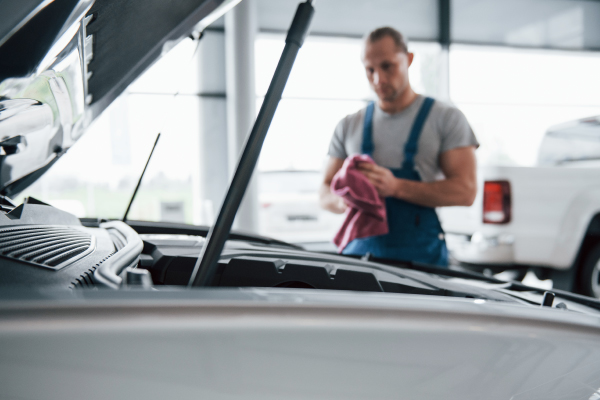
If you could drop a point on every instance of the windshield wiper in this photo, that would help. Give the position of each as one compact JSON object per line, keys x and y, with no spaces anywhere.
{"x":206,"y":264}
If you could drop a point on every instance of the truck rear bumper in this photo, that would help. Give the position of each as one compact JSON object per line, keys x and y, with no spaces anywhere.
{"x":480,"y":249}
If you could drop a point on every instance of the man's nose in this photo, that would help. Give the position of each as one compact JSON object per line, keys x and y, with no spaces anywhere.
{"x":375,"y":78}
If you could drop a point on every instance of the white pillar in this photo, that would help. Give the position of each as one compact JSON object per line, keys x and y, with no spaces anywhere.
{"x":240,"y":33}
{"x":211,"y":181}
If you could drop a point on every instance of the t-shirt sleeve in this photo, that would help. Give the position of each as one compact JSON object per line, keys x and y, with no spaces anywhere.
{"x":336,"y":146}
{"x":456,"y":131}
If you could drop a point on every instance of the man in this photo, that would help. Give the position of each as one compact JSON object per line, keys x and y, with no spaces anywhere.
{"x":424,"y":151}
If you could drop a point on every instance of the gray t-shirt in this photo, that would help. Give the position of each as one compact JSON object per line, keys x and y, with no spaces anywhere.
{"x":446,"y":128}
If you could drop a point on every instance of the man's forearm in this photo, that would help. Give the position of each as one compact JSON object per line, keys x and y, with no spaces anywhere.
{"x":330,"y":201}
{"x":458,"y":189}
{"x":442,"y":193}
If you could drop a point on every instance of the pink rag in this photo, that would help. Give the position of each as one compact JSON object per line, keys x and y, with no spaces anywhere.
{"x":366,"y":215}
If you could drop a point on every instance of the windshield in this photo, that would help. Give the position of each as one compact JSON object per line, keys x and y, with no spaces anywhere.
{"x":577,"y":141}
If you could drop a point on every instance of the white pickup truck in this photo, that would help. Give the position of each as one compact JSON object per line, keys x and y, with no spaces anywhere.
{"x":544,"y":218}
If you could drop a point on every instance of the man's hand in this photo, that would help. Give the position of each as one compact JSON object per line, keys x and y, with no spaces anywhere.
{"x":382,"y":178}
{"x":340,"y":206}
{"x":328,"y":200}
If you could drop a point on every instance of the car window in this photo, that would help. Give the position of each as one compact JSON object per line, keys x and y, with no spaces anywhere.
{"x":579,"y":141}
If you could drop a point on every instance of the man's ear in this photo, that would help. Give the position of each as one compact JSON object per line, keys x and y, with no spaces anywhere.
{"x":410,"y":58}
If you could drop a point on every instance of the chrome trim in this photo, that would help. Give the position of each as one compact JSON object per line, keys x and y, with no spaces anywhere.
{"x":66,"y":34}
{"x":49,"y":103}
{"x":87,"y":48}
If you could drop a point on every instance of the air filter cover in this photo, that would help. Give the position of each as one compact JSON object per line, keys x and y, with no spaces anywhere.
{"x":52,"y":247}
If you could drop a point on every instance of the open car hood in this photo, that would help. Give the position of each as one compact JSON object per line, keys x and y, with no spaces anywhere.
{"x":63,"y":62}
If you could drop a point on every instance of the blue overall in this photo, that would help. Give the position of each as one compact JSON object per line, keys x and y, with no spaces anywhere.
{"x":415,"y":233}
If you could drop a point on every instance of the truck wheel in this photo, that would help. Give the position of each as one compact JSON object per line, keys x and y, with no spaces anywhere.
{"x":589,"y":277}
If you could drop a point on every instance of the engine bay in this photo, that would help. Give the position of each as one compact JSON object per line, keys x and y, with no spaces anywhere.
{"x":44,"y":247}
{"x":41,"y":245}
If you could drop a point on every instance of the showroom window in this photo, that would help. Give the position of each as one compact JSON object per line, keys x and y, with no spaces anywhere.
{"x":512,"y":96}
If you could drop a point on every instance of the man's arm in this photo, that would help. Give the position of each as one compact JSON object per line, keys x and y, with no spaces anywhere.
{"x":458,"y":189}
{"x":328,"y":200}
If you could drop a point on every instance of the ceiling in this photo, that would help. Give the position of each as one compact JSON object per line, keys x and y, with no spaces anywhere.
{"x":560,"y":24}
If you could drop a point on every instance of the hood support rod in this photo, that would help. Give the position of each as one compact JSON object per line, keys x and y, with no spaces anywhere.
{"x":207,"y":262}
{"x":137,"y":187}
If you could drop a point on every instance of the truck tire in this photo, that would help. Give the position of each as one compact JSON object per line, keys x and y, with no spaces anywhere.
{"x":589,"y":276}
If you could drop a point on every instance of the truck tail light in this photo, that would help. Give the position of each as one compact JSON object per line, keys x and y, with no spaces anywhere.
{"x":496,"y":202}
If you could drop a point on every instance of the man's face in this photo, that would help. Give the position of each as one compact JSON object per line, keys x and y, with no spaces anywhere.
{"x":386,"y":68}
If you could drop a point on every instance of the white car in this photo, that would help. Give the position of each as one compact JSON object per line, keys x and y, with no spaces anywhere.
{"x":290,"y":210}
{"x":545,"y":218}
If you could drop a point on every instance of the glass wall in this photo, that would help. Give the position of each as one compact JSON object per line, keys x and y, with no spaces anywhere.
{"x":512,"y":96}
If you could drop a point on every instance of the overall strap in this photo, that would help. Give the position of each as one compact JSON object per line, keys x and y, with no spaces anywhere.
{"x":413,"y":140}
{"x":367,"y":142}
